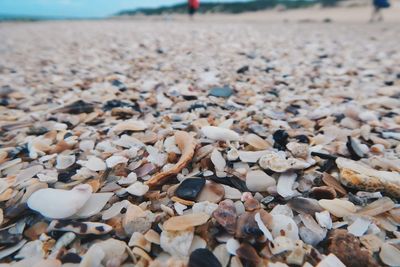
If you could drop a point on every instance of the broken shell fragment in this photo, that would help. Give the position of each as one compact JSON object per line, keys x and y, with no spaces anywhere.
{"x":219,"y":134}
{"x":256,"y":142}
{"x":177,"y":243}
{"x":356,"y":175}
{"x":179,"y":223}
{"x":83,"y":228}
{"x":137,"y":189}
{"x":64,"y":203}
{"x":390,"y":254}
{"x":259,"y":181}
{"x":338,"y":207}
{"x":186,"y":144}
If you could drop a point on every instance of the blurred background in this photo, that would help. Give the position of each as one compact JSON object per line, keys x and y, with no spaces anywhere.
{"x":282,"y":10}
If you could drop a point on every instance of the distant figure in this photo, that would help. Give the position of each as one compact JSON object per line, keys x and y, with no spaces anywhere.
{"x":193,"y":5}
{"x":377,"y":13}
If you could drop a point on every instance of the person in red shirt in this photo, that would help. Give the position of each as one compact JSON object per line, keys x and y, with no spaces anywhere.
{"x":193,"y":5}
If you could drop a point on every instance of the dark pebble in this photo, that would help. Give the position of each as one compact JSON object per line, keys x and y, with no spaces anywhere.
{"x":302,"y":139}
{"x":202,"y":257}
{"x":9,"y":239}
{"x":225,"y":91}
{"x":280,"y":139}
{"x":243,"y":69}
{"x":78,"y":107}
{"x":71,"y":258}
{"x":190,"y":188}
{"x":4,"y":102}
{"x":116,"y":103}
{"x":37,"y":130}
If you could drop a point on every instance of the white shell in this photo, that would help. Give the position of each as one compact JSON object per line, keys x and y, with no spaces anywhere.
{"x":130,"y":179}
{"x":281,"y":244}
{"x":218,"y":160}
{"x":390,"y":255}
{"x":285,"y":184}
{"x":232,"y":245}
{"x":115,"y":209}
{"x":220,"y":134}
{"x":324,"y":219}
{"x":94,"y":205}
{"x":251,"y":156}
{"x":259,"y":181}
{"x":231,"y":193}
{"x":137,"y":189}
{"x":205,"y":206}
{"x":286,"y":224}
{"x":65,"y":161}
{"x":331,"y":261}
{"x":115,"y":160}
{"x":359,"y":226}
{"x":58,"y":203}
{"x":177,"y":243}
{"x":95,"y":164}
{"x":262,"y":227}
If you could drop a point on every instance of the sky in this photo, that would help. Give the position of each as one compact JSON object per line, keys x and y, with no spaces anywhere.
{"x":79,"y":8}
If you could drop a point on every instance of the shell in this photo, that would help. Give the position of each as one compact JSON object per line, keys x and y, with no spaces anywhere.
{"x":219,"y":134}
{"x":359,"y":226}
{"x":362,"y":177}
{"x":274,"y":161}
{"x":94,"y":205}
{"x":285,"y":184}
{"x":284,"y":225}
{"x":338,"y":207}
{"x":218,"y":160}
{"x":180,"y":223}
{"x":259,"y":181}
{"x":251,"y":156}
{"x":390,"y":255}
{"x":65,"y":161}
{"x":330,"y":261}
{"x":137,"y":189}
{"x":186,"y":144}
{"x":232,"y":245}
{"x":64,"y":203}
{"x":95,"y":164}
{"x":129,"y":125}
{"x":177,"y":243}
{"x":256,"y":142}
{"x":115,"y":160}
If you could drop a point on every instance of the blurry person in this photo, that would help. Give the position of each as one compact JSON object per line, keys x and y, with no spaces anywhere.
{"x":193,"y":5}
{"x":376,"y":12}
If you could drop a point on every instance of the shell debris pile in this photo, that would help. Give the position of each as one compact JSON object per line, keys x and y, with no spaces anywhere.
{"x":156,"y":144}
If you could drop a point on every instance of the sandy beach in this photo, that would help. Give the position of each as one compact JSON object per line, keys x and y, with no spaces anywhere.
{"x":263,"y":139}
